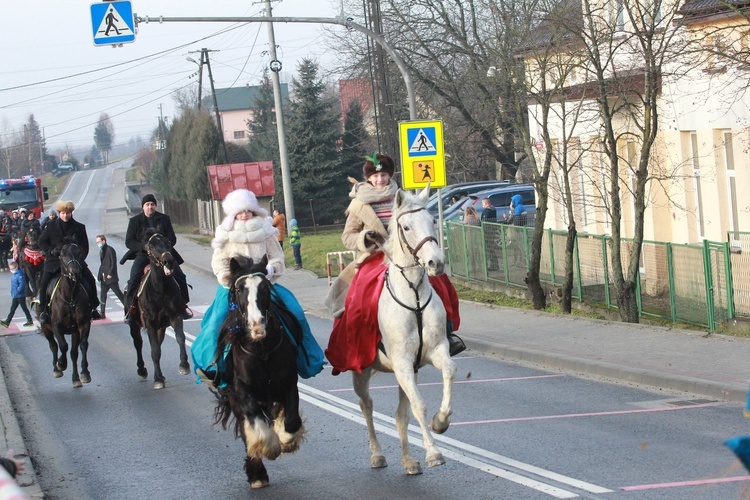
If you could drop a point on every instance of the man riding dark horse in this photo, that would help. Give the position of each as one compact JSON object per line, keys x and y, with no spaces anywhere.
{"x":140,"y":228}
{"x":56,"y":234}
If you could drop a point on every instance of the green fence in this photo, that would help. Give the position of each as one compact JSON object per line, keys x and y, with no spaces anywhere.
{"x":695,"y":284}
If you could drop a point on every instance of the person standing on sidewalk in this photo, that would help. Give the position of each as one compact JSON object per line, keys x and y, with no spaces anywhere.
{"x":279,"y":222}
{"x":140,"y":229}
{"x":18,"y":293}
{"x":295,"y":239}
{"x":107,"y":275}
{"x":246,"y":232}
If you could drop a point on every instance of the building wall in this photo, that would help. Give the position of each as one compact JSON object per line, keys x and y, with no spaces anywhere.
{"x":234,"y":125}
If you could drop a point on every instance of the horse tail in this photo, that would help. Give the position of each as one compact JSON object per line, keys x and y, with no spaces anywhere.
{"x":223,"y":411}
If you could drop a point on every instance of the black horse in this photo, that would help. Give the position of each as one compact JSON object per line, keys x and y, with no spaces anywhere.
{"x":160,"y":304}
{"x":6,"y":242}
{"x":262,"y":391}
{"x":70,"y":314}
{"x":31,"y":258}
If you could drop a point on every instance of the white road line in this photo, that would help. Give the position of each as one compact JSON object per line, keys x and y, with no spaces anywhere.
{"x":318,"y":395}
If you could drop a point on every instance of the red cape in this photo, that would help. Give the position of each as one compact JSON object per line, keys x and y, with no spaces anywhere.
{"x":354,"y":340}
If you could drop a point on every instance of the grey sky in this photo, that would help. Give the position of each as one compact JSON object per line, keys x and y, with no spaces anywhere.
{"x":51,"y":40}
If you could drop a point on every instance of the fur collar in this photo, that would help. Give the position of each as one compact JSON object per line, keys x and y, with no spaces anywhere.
{"x":367,"y":193}
{"x":255,"y":230}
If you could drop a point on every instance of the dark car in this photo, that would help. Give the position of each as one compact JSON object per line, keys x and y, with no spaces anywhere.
{"x":500,"y":199}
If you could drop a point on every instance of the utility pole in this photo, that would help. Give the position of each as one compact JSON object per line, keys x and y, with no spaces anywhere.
{"x":200,"y":74}
{"x":204,"y":55}
{"x":286,"y":179}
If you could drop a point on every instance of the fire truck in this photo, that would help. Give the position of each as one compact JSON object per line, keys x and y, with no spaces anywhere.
{"x":26,"y":192}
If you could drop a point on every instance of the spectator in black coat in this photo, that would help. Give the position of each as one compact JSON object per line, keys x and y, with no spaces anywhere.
{"x":489,"y":214}
{"x":107,"y":275}
{"x":57,"y":233}
{"x":140,"y":229}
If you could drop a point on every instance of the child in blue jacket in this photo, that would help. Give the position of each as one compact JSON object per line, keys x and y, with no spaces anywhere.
{"x":18,"y":292}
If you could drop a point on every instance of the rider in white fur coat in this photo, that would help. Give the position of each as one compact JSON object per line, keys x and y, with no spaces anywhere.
{"x":245,"y":231}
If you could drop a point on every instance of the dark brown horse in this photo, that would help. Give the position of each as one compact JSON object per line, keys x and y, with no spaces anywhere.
{"x":31,"y":258}
{"x":262,"y":391}
{"x":160,"y":305}
{"x":70,"y":314}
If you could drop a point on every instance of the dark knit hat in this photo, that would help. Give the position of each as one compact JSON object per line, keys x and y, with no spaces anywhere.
{"x":147,"y":198}
{"x":378,"y":163}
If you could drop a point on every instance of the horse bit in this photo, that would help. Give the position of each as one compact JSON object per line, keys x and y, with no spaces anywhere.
{"x":158,"y":261}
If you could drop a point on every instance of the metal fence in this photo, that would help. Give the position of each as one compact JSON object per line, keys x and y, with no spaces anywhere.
{"x":703,"y":285}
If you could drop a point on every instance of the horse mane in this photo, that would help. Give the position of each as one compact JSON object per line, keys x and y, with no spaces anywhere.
{"x":410,"y":201}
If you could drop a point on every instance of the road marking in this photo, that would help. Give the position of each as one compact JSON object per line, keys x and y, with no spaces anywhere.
{"x":460,"y":449}
{"x":350,"y":389}
{"x":680,"y":484}
{"x":575,"y":415}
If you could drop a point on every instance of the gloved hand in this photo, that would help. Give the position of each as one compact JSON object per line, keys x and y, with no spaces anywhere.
{"x":55,"y":252}
{"x":270,"y":271}
{"x":372,"y":237}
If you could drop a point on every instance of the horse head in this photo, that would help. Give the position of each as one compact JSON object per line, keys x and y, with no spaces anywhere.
{"x":71,"y":261}
{"x":412,"y":240}
{"x":250,"y":292}
{"x":32,"y":236}
{"x":159,"y":251}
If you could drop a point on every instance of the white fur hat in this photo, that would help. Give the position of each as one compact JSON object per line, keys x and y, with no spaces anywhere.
{"x":238,"y":201}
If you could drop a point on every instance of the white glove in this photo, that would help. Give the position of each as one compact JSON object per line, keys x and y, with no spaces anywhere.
{"x":269,"y":271}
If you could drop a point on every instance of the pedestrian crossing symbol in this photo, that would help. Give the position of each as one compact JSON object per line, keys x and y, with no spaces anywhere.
{"x":422,"y":141}
{"x":422,"y":155}
{"x":112,"y":23}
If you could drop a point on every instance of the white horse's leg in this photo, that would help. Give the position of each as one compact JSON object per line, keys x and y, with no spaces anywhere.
{"x":441,"y":360}
{"x":361,"y":384}
{"x":411,"y":466}
{"x":407,"y":381}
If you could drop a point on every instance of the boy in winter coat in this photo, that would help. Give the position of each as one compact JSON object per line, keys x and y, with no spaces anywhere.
{"x":294,"y":240}
{"x":18,"y":292}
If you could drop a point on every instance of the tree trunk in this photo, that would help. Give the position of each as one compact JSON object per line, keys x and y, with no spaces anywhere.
{"x":567,"y":291}
{"x":628,"y":303}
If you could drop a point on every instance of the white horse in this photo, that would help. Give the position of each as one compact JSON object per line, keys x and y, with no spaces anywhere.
{"x":411,"y":318}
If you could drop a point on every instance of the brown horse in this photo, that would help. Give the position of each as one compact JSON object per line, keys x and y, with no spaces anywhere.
{"x":70,"y":314}
{"x":161,"y":305}
{"x":262,"y":393}
{"x":31,"y":258}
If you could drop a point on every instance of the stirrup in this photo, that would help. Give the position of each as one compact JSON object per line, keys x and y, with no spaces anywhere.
{"x":456,"y":344}
{"x":206,"y":379}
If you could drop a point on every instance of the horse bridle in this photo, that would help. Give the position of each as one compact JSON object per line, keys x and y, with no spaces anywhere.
{"x":157,"y":260}
{"x":402,"y":237}
{"x":70,"y":274}
{"x":267,"y":353}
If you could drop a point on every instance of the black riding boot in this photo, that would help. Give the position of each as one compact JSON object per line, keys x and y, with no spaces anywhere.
{"x":131,"y":311}
{"x":456,"y":344}
{"x":43,"y":307}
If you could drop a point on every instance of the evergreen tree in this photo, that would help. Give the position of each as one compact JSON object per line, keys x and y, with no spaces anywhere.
{"x":313,"y":145}
{"x":356,"y":142}
{"x":263,"y":141}
{"x":193,"y":143}
{"x":104,"y":136}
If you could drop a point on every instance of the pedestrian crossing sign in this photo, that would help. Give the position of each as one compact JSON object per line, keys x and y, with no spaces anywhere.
{"x":112,"y":23}
{"x":422,"y":154}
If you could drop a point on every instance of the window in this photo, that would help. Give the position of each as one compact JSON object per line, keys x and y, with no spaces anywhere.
{"x":617,"y":14}
{"x":731,"y":188}
{"x":697,"y":185}
{"x":239,"y":134}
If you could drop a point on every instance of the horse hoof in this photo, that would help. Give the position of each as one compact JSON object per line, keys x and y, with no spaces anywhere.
{"x":378,"y":462}
{"x":435,"y":460}
{"x":185,"y":369}
{"x":142,"y":374}
{"x":77,"y":384}
{"x":86,"y":379}
{"x":438,"y":425}
{"x":159,"y":384}
{"x":259,"y":483}
{"x":413,"y":468}
{"x":57,"y":373}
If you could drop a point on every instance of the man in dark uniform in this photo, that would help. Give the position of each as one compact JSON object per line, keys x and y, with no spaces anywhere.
{"x":140,"y":228}
{"x":107,"y":274}
{"x":57,"y":233}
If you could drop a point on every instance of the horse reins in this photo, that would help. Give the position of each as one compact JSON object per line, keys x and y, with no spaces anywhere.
{"x":402,"y":237}
{"x":267,"y":353}
{"x":158,"y":261}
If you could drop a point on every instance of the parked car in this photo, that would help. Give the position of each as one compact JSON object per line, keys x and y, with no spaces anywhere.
{"x":500,"y":199}
{"x":66,"y":166}
{"x":448,"y":192}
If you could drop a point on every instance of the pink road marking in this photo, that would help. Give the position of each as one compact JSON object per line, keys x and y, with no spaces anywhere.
{"x":459,"y":382}
{"x":573,"y":415}
{"x":679,"y":484}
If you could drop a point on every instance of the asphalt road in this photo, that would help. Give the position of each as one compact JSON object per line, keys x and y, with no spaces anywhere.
{"x":518,"y":431}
